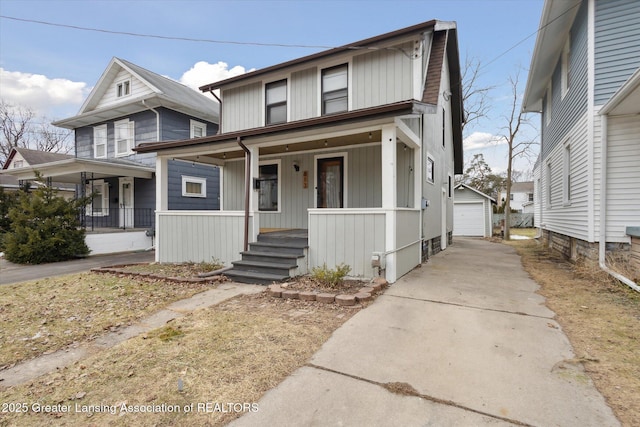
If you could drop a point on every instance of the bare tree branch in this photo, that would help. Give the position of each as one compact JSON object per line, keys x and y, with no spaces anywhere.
{"x":474,"y":99}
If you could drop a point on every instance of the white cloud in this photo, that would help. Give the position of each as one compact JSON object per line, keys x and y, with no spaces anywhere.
{"x":203,"y":73}
{"x":45,"y":96}
{"x":479,"y":140}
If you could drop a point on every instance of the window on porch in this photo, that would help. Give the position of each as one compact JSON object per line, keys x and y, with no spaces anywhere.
{"x":99,"y":193}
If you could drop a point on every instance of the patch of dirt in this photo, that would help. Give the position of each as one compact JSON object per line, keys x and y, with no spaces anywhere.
{"x":601,"y":318}
{"x":307,"y":283}
{"x":186,"y":270}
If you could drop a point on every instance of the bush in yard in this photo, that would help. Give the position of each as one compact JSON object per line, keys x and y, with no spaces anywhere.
{"x":328,"y":276}
{"x":44,"y":228}
{"x":7,"y":200}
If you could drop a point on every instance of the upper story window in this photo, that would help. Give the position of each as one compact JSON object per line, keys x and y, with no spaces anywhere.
{"x":276,"y":102}
{"x":530,"y":197}
{"x":335,"y":90}
{"x":430,"y":170}
{"x":100,"y":142}
{"x":198,"y":129}
{"x":123,"y":88}
{"x":566,"y":175}
{"x":547,"y":105}
{"x":18,"y":164}
{"x":566,"y":66}
{"x":124,"y":132}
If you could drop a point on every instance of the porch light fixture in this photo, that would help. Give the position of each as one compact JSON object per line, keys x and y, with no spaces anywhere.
{"x":224,"y":155}
{"x":286,"y":148}
{"x":325,"y":143}
{"x":369,"y":135}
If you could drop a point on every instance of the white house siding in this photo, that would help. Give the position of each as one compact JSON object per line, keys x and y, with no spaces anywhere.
{"x":200,"y":236}
{"x":617,"y":43}
{"x":138,"y":88}
{"x":304,"y":94}
{"x":347,"y":236}
{"x":382,"y":77}
{"x":242,"y":107}
{"x":363,"y":184}
{"x":537,"y":195}
{"x":623,"y":176}
{"x":572,"y":218}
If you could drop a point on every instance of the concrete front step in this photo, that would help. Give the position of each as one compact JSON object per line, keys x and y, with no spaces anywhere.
{"x":254,"y":277}
{"x":281,"y":268}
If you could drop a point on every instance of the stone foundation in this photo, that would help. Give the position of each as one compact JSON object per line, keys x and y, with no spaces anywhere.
{"x":574,"y":249}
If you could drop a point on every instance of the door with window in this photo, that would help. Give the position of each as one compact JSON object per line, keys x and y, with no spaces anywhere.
{"x":125,"y":202}
{"x":330,"y":180}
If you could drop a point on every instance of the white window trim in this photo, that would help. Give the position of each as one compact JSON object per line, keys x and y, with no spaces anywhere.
{"x":566,"y":174}
{"x":548,"y":104}
{"x":345,"y":178}
{"x":277,"y":162}
{"x":95,"y":141}
{"x":334,"y":64}
{"x":432,"y":179}
{"x":130,"y":141}
{"x":193,"y":124}
{"x":549,"y":173}
{"x":564,"y":75}
{"x":121,"y":84}
{"x":194,"y":179}
{"x":104,"y":191}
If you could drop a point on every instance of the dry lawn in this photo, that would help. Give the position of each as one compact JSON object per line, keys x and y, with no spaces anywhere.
{"x":226,"y":356}
{"x":43,"y":316}
{"x":600,"y":316}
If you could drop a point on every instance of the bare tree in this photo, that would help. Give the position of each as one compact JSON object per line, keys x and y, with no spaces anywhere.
{"x":515,"y":121}
{"x":20,"y":127}
{"x":475,"y":99}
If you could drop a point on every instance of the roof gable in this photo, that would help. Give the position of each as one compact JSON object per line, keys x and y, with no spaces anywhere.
{"x":463,"y":186}
{"x":34,"y":157}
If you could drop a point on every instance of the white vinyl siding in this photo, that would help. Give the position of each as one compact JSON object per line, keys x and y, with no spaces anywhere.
{"x":100,"y":142}
{"x":242,"y":108}
{"x":137,"y":89}
{"x":623,"y":176}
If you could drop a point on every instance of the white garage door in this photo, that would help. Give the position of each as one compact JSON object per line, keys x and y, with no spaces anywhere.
{"x":468,"y":219}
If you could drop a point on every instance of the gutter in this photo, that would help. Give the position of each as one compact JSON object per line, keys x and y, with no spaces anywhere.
{"x":603,"y":211}
{"x":247,"y":190}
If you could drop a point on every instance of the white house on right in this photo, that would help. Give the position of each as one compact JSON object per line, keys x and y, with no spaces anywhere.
{"x":585,"y":80}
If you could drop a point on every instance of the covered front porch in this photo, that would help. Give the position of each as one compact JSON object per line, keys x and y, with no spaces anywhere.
{"x":354,"y":190}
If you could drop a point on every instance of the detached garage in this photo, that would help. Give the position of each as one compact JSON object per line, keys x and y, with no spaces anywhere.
{"x":472,"y":212}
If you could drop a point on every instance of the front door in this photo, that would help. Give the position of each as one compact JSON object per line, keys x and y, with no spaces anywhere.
{"x":330,"y":179}
{"x":125,"y":202}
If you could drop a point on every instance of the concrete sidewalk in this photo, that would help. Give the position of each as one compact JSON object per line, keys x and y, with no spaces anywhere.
{"x":467,"y":341}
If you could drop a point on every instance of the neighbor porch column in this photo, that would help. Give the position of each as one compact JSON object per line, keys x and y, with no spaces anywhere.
{"x":162,"y":195}
{"x":389,"y":197}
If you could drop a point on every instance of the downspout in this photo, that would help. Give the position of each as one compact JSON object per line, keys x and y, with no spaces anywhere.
{"x":157,"y":120}
{"x":247,"y":191}
{"x":220,"y":113}
{"x":603,"y":211}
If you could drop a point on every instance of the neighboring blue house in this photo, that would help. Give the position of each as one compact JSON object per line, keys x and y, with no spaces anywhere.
{"x":585,"y":80}
{"x":128,"y":106}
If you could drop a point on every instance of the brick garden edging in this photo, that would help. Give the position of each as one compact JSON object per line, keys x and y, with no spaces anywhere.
{"x":364,"y":294}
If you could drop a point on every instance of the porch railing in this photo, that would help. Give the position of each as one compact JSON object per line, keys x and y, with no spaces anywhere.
{"x":123,"y":218}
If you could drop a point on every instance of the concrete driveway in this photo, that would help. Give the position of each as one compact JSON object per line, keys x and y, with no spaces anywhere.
{"x":13,"y":273}
{"x":467,"y":341}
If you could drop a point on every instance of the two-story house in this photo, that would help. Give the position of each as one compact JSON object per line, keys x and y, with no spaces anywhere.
{"x":521,"y":195}
{"x":585,"y":80}
{"x":344,"y":156}
{"x":129,"y":106}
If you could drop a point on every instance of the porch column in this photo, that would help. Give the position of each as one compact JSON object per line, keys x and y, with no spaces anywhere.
{"x":389,"y":197}
{"x":162,"y":195}
{"x":254,"y":201}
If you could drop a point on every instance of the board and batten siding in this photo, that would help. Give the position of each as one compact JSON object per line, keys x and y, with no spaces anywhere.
{"x":567,"y":110}
{"x":303,"y":103}
{"x":408,"y":241}
{"x":346,"y":236}
{"x":242,"y":107}
{"x":200,"y":236}
{"x":382,"y":77}
{"x":363,"y":184}
{"x":570,"y":218}
{"x":623,"y":177}
{"x":138,"y":89}
{"x":617,"y":43}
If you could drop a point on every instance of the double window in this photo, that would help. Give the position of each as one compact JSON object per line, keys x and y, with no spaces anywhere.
{"x":276,"y":102}
{"x":335,"y":90}
{"x":123,"y":88}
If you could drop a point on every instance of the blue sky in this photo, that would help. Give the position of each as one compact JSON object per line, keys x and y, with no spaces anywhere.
{"x":51,"y":69}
